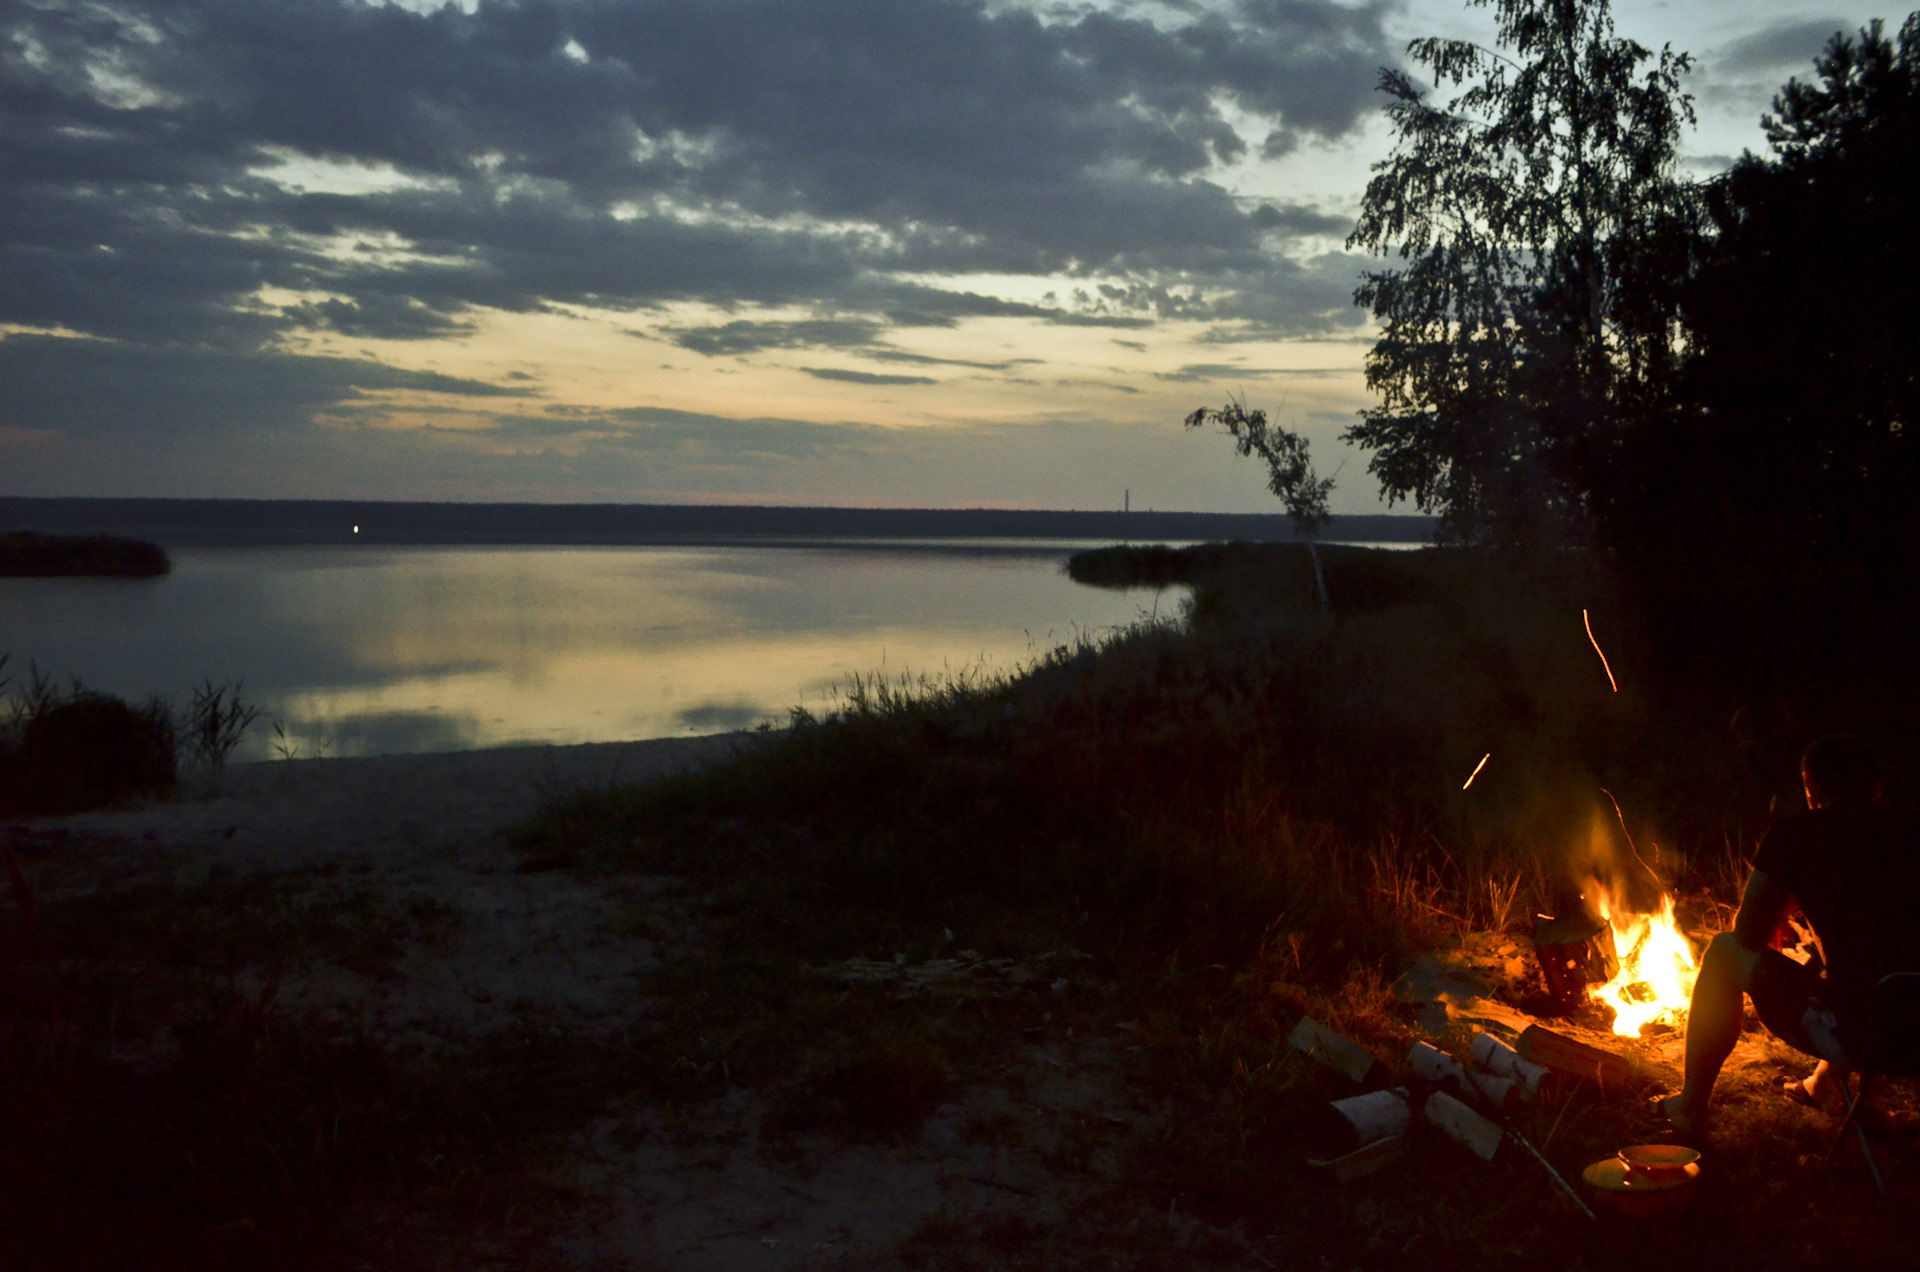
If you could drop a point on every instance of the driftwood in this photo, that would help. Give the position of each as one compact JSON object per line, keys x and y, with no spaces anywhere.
{"x":1312,"y":1038}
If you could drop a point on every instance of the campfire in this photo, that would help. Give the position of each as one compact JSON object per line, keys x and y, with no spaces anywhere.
{"x":1654,"y":980}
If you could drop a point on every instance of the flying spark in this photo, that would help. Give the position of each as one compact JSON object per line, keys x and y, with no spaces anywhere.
{"x":1476,"y":770}
{"x":1600,"y":651}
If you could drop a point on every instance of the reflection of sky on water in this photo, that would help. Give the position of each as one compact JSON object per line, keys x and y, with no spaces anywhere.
{"x":371,"y":650}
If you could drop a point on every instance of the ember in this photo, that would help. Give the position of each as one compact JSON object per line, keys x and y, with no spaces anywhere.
{"x":1654,"y":983}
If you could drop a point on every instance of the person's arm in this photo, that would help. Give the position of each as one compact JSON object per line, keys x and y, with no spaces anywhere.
{"x":1762,"y":909}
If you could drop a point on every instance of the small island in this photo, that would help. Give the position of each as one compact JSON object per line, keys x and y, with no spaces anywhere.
{"x":25,"y":554}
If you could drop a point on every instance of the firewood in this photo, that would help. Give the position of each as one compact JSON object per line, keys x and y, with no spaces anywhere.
{"x":1502,"y":1061}
{"x":1362,"y":1162}
{"x":1543,"y":1046}
{"x":1436,"y":1066}
{"x":1476,"y":1133}
{"x":1357,"y":1121}
{"x":1497,"y":1091}
{"x":1312,"y":1038}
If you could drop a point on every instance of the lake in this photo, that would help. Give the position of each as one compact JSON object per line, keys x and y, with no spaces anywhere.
{"x":355,"y":650}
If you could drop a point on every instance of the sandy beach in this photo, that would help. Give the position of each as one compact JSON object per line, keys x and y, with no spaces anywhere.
{"x":413,"y":829}
{"x":425,"y":831}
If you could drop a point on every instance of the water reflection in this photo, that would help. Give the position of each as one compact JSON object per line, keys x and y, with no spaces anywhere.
{"x":370,"y":650}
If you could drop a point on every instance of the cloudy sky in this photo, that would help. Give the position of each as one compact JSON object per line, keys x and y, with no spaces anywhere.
{"x":921,"y":252}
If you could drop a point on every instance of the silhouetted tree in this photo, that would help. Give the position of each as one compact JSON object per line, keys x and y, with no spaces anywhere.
{"x":1512,"y":341}
{"x":1290,"y":474}
{"x":1770,"y":511}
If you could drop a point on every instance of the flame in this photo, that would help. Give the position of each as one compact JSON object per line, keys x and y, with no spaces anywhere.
{"x":1657,"y":968}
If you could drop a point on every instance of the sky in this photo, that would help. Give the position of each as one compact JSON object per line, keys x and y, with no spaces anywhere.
{"x":947,"y":253}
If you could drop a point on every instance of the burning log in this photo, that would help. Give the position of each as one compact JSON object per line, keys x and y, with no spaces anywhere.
{"x":1465,"y":1126}
{"x":1542,"y":1046}
{"x":1312,"y":1038}
{"x":1574,"y":953}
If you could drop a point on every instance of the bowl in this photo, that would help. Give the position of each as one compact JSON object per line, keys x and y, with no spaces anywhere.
{"x":1659,"y":1161}
{"x":1667,"y":1188}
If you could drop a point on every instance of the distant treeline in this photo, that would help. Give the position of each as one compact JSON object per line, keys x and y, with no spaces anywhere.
{"x":210,"y":522}
{"x":30,"y":555}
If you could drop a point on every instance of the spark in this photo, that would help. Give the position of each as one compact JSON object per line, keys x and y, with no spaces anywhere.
{"x":1600,"y":651}
{"x":1476,"y":770}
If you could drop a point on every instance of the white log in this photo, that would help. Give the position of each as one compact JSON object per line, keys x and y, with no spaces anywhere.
{"x":1312,"y":1038}
{"x":1499,"y":1092}
{"x":1377,"y":1114}
{"x":1436,"y":1066}
{"x":1493,"y":1055}
{"x":1497,"y":1058}
{"x":1465,"y":1126}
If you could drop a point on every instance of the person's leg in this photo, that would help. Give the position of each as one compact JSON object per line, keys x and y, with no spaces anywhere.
{"x":1713,"y":1025}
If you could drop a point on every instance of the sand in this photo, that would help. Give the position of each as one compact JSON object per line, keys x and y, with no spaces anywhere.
{"x":688,"y":1189}
{"x":408,"y":828}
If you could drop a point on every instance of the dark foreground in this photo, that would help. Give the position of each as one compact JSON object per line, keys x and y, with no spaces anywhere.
{"x":978,"y":975}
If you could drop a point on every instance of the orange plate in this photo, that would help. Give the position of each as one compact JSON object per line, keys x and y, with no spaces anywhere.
{"x":1640,"y":1193}
{"x":1659,"y":1159}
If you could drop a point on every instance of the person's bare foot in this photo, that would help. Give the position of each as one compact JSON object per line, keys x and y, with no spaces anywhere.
{"x":1819,"y":1090}
{"x":1679,"y":1113}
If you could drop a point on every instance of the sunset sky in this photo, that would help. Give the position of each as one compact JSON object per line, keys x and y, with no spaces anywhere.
{"x":903,"y":252}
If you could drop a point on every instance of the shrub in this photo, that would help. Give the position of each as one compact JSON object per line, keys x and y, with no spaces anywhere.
{"x":87,"y":751}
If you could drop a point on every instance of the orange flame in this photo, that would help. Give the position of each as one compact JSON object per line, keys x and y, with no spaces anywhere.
{"x":1657,"y":967}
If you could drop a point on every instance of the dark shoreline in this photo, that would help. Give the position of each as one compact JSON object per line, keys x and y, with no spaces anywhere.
{"x":262,"y":522}
{"x":29,"y":555}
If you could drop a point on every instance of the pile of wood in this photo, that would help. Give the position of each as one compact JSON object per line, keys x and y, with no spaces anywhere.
{"x":1468,"y":1099}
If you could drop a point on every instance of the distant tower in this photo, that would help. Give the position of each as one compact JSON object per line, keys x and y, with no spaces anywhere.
{"x":1127,"y":501}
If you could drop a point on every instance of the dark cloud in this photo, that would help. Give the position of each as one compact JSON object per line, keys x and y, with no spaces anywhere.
{"x":1201,"y":372}
{"x":722,"y":717}
{"x":753,"y":337}
{"x":865,"y":377}
{"x":1786,"y":47}
{"x":375,"y":317}
{"x":165,"y":160}
{"x":1297,"y":218}
{"x":102,"y":388}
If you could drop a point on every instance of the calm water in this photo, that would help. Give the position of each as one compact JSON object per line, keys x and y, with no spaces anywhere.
{"x":362,"y":651}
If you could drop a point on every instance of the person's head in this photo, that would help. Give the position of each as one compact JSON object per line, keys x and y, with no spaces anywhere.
{"x":1839,"y":768}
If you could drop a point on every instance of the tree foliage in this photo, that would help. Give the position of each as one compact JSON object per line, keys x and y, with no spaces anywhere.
{"x":1290,"y":473}
{"x":1774,"y":494}
{"x":1513,"y":338}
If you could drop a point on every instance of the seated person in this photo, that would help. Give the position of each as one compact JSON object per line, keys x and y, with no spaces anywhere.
{"x":1853,"y":867}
